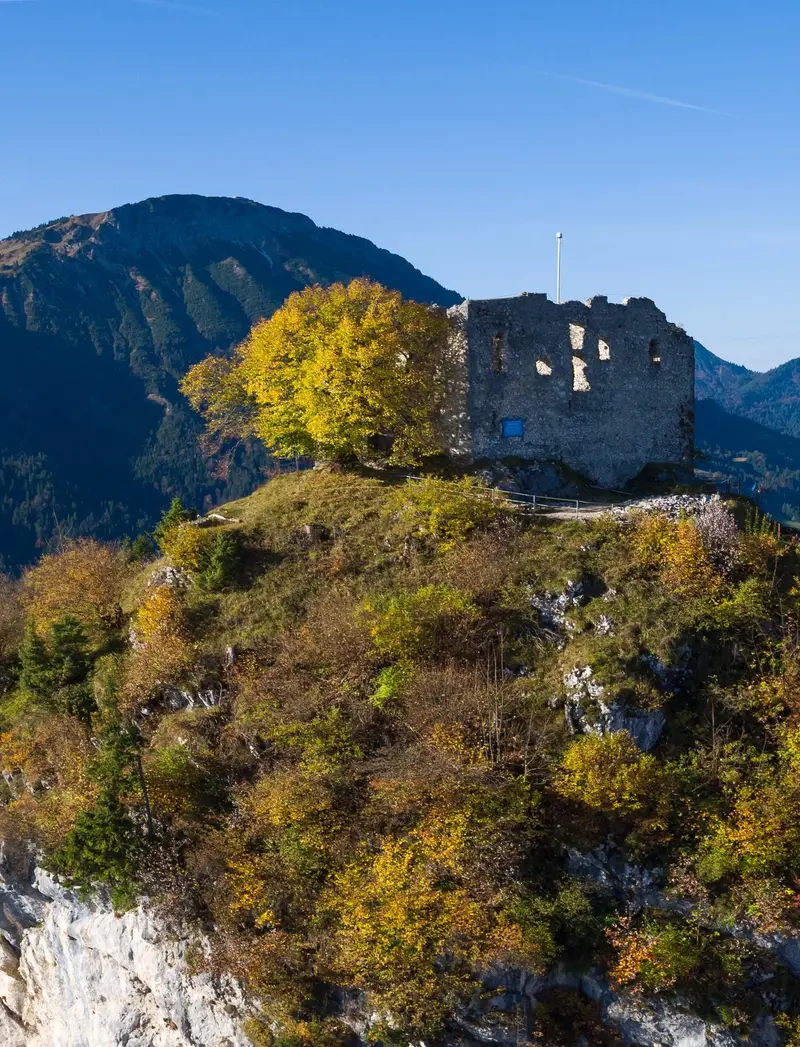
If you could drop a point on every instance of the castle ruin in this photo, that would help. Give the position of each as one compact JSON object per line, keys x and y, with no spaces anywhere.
{"x":606,"y":389}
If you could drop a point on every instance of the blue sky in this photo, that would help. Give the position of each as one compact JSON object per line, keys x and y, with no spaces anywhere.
{"x":438,"y":130}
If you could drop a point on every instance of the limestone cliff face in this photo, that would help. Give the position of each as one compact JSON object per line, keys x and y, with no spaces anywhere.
{"x":76,"y":975}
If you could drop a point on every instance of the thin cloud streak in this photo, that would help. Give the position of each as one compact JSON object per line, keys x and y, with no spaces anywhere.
{"x":177,"y":6}
{"x":628,"y":92}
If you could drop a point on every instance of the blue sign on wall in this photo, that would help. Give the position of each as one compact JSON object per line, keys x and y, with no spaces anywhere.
{"x":513,"y":427}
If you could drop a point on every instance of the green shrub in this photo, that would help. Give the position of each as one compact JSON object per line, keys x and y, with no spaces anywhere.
{"x":220,"y":563}
{"x":104,"y":848}
{"x":446,"y":511}
{"x":661,"y":951}
{"x":413,"y":625}
{"x":389,"y":685}
{"x":325,"y":744}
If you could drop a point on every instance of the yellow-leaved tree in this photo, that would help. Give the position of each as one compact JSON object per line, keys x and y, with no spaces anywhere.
{"x":336,"y":373}
{"x":85,"y":579}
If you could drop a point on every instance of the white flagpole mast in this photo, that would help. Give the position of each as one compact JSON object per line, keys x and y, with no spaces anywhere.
{"x":558,"y":269}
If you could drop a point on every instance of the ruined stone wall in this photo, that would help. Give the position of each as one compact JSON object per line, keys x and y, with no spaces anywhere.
{"x":604,"y":388}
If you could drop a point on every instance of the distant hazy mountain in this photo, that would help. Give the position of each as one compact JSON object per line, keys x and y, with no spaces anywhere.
{"x":102,"y":314}
{"x":749,"y":425}
{"x":715,"y":378}
{"x":771,"y":398}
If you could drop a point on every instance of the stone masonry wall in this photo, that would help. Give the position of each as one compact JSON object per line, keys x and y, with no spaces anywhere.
{"x":607,"y":389}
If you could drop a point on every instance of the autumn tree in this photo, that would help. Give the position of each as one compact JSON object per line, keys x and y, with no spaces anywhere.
{"x":609,"y":773}
{"x":335,"y":373}
{"x":84,"y":580}
{"x":162,"y":651}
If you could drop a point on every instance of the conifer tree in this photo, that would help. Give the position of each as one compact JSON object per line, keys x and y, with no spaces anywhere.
{"x":69,"y":659}
{"x":34,"y":677}
{"x":221,"y":563}
{"x":176,"y":514}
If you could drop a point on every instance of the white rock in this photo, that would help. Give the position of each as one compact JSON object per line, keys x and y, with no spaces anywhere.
{"x":89,"y":978}
{"x":587,"y":710}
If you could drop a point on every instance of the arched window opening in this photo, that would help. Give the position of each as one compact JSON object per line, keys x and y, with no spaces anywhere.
{"x":580,"y":383}
{"x":576,"y":335}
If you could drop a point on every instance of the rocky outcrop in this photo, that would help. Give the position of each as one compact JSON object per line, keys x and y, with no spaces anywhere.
{"x":637,"y":1020}
{"x":588,"y":711}
{"x":74,"y":974}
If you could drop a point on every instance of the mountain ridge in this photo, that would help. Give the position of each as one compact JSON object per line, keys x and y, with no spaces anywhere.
{"x":102,"y":314}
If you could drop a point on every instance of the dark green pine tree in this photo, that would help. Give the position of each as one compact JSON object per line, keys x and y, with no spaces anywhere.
{"x":58,"y":676}
{"x":69,"y":657}
{"x":35,"y":678}
{"x":143,"y":547}
{"x":222,"y":563}
{"x":175,"y":515}
{"x":103,"y":847}
{"x":106,"y":844}
{"x":70,"y":669}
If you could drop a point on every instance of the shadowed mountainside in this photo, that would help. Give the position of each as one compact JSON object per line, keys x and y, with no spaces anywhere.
{"x":100,"y":317}
{"x":748,"y":423}
{"x":771,"y":398}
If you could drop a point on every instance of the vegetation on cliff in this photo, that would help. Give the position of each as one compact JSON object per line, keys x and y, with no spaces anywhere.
{"x":335,"y":731}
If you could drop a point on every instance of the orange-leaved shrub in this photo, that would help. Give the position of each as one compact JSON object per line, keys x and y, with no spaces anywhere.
{"x":83,"y":580}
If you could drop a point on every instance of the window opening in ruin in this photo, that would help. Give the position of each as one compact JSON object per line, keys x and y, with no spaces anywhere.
{"x":580,"y":383}
{"x":513,"y":427}
{"x":576,"y":334}
{"x":544,"y":366}
{"x":498,"y":361}
{"x":603,"y":350}
{"x":655,"y":351}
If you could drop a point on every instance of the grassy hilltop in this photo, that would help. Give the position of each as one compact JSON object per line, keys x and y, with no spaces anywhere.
{"x":378,"y":725}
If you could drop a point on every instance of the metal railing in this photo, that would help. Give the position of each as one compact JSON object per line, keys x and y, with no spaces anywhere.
{"x":534,"y":503}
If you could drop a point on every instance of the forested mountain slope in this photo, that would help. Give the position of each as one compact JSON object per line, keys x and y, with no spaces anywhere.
{"x":748,"y":424}
{"x":102,"y":314}
{"x":715,"y":378}
{"x":771,"y":398}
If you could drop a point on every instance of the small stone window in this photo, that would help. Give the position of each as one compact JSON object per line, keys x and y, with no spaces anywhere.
{"x":513,"y":427}
{"x":576,"y":334}
{"x":603,"y":350}
{"x":544,"y":366}
{"x":580,"y":383}
{"x":498,"y":361}
{"x":655,"y":352}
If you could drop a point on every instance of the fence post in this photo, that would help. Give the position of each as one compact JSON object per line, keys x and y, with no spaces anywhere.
{"x":577,"y":509}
